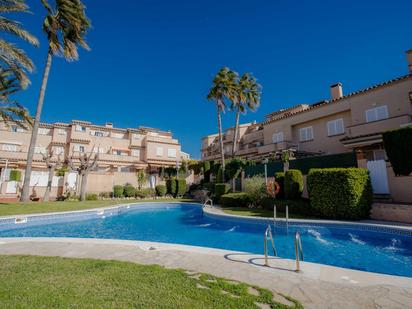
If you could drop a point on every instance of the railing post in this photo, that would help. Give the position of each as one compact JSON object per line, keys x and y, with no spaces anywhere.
{"x":266,"y":249}
{"x":274,"y":214}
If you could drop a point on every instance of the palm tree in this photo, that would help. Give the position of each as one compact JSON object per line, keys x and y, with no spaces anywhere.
{"x":247,"y":96}
{"x":65,"y":25}
{"x":14,"y":63}
{"x":222,"y":89}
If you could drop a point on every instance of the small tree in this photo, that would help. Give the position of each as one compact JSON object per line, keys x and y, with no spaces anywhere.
{"x":141,"y":179}
{"x":256,"y":189}
{"x":87,"y":163}
{"x":52,"y":164}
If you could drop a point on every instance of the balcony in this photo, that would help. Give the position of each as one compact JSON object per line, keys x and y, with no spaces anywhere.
{"x":276,"y":147}
{"x":379,"y":126}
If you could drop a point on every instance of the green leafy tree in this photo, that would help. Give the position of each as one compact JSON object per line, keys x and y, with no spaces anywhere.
{"x":141,"y":179}
{"x":246,"y":96}
{"x":65,"y":26}
{"x":222,"y":89}
{"x":14,"y":63}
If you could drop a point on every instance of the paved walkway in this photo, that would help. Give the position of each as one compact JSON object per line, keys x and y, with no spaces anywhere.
{"x":317,"y":286}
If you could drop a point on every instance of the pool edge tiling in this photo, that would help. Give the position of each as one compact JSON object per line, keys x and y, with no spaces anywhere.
{"x":212,"y":228}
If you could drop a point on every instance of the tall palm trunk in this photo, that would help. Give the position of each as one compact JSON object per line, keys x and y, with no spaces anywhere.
{"x":25,"y":195}
{"x":222,"y":154}
{"x":236,"y":134}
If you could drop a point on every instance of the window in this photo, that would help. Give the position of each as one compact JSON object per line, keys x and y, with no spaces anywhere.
{"x":79,"y":148}
{"x":171,"y":153}
{"x":379,"y":154}
{"x":58,"y":150}
{"x":135,"y":152}
{"x":277,"y":137}
{"x":335,"y":127}
{"x":15,"y":128}
{"x":125,"y":169}
{"x":61,"y":131}
{"x":43,"y":131}
{"x":306,"y":134}
{"x":98,"y":150}
{"x":80,"y":128}
{"x":377,"y":113}
{"x":9,"y":147}
{"x":40,"y":149}
{"x":159,"y":151}
{"x":97,"y":133}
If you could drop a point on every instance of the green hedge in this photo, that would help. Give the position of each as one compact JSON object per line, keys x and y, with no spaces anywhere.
{"x":146,"y":192}
{"x":280,"y":179}
{"x":171,"y":186}
{"x":293,"y":184}
{"x":340,"y":193}
{"x":398,"y":147}
{"x":181,"y":187}
{"x":129,"y":191}
{"x":91,"y":197}
{"x":161,"y":190}
{"x":221,"y":189}
{"x":118,"y":191}
{"x":15,"y":175}
{"x":239,"y":199}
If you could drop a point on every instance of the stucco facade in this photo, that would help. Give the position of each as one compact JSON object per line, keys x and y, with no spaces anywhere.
{"x":339,"y":124}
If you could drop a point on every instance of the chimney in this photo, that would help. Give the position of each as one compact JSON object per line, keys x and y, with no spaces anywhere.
{"x":409,"y":58}
{"x":336,"y":91}
{"x":108,"y":125}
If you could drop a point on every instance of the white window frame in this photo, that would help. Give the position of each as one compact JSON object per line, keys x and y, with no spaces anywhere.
{"x":117,"y":135}
{"x":61,"y":131}
{"x":16,"y":129}
{"x":372,"y":114}
{"x":335,"y":127}
{"x":277,"y":137}
{"x":80,"y":128}
{"x":159,"y":151}
{"x":171,"y":152}
{"x":98,"y":133}
{"x":9,"y":147}
{"x":43,"y":131}
{"x":306,"y":134}
{"x":136,"y":153}
{"x":40,"y":149}
{"x":79,"y":148}
{"x":58,"y":150}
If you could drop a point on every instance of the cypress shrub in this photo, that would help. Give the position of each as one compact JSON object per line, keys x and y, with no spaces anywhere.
{"x":171,"y":186}
{"x":280,"y":179}
{"x":161,"y":190}
{"x":293,"y":184}
{"x":15,"y":175}
{"x":181,"y":187}
{"x":398,"y":147}
{"x":129,"y":191}
{"x":239,"y":199}
{"x":118,"y":191}
{"x":340,"y":193}
{"x":221,"y":189}
{"x":219,"y":176}
{"x":206,"y":171}
{"x":91,"y":197}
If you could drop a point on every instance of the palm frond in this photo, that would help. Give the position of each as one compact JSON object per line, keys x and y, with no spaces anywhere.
{"x":15,"y":54}
{"x":14,"y":28}
{"x":9,"y":6}
{"x":15,"y":113}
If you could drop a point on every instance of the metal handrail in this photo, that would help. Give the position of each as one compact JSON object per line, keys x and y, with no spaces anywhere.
{"x":298,"y":250}
{"x":208,"y":200}
{"x":268,"y":233}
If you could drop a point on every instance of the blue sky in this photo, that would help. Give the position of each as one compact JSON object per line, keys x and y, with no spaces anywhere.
{"x":152,"y":61}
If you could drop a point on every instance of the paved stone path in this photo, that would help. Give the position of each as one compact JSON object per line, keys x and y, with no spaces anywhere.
{"x":317,"y":286}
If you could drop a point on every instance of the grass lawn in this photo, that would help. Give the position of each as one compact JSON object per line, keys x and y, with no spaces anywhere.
{"x":253,"y":212}
{"x":53,"y":282}
{"x":16,"y":208}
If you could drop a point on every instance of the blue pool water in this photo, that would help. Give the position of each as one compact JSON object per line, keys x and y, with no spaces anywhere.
{"x":346,"y":246}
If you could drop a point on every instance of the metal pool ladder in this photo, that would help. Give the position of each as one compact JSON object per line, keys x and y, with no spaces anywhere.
{"x":298,"y":250}
{"x":268,"y":233}
{"x":208,"y":201}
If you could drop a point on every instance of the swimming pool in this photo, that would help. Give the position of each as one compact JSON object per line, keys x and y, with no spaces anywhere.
{"x":359,"y":247}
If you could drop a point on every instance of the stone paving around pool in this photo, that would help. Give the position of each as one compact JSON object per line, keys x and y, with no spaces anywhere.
{"x":316,"y":286}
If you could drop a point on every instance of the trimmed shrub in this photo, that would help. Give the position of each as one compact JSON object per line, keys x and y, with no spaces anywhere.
{"x":129,"y":191}
{"x":15,"y":175}
{"x":161,"y":190}
{"x":219,"y":176}
{"x":91,"y":197}
{"x":118,"y":191}
{"x":280,"y":179}
{"x":255,"y":188}
{"x":146,"y":192}
{"x":206,"y":171}
{"x":239,"y":199}
{"x":293,"y":184}
{"x":221,"y":189}
{"x":105,"y":194}
{"x":210,"y":186}
{"x":398,"y":147}
{"x":181,"y":187}
{"x":340,"y":193}
{"x":171,"y":186}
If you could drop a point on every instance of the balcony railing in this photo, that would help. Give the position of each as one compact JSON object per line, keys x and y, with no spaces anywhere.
{"x":378,"y":126}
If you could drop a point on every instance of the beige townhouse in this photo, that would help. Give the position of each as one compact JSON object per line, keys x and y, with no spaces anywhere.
{"x":122,"y":152}
{"x":343,"y":123}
